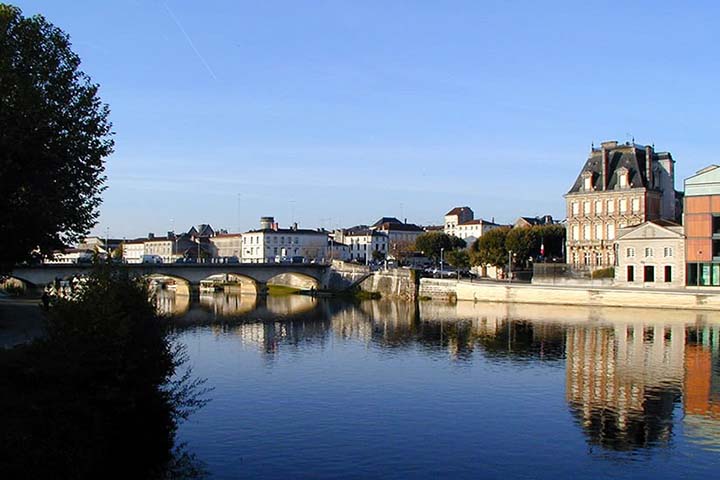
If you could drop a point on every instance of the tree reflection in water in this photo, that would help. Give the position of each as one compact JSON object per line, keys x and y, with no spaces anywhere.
{"x":101,"y":394}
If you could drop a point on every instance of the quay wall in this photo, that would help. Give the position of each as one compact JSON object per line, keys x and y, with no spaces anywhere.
{"x":438,"y":289}
{"x":588,"y":296}
{"x":399,"y":283}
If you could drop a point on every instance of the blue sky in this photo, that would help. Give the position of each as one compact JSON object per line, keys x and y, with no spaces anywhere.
{"x":334,"y":113}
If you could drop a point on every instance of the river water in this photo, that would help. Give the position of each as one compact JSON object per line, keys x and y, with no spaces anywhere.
{"x":325,"y":389}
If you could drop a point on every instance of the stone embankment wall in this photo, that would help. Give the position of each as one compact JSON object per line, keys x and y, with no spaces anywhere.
{"x":344,"y":275}
{"x":400,"y":283}
{"x":438,"y":289}
{"x":588,"y":296}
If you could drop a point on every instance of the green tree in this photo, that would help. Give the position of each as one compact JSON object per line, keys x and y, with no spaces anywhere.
{"x":54,"y":137}
{"x":430,"y":243}
{"x":524,"y":243}
{"x":117,"y":254}
{"x":490,"y":249}
{"x":459,"y":259}
{"x":553,"y":239}
{"x":378,"y":256}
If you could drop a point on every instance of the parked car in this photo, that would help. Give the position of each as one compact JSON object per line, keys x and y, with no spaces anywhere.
{"x":152,"y":259}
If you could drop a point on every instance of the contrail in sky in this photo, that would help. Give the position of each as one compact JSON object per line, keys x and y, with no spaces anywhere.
{"x":189,"y":40}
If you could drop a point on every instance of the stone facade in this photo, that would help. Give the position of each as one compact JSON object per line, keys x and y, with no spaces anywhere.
{"x":619,"y":186}
{"x":651,"y":255}
{"x":227,"y":245}
{"x":275,"y":244}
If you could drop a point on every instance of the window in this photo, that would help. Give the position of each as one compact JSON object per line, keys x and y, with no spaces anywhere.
{"x":586,"y":232}
{"x":575,"y":208}
{"x":649,"y":273}
{"x":623,"y":205}
{"x":598,"y":207}
{"x":575,"y":232}
{"x":598,"y":231}
{"x":630,"y":252}
{"x":635,"y":205}
{"x":668,"y":273}
{"x":611,"y":231}
{"x":630,"y":273}
{"x":598,"y":258}
{"x":667,"y":252}
{"x":716,"y":224}
{"x":586,"y":258}
{"x":623,"y":179}
{"x":716,"y":248}
{"x":648,"y":252}
{"x":610,"y":206}
{"x":575,"y":258}
{"x":586,"y":208}
{"x":587,"y":182}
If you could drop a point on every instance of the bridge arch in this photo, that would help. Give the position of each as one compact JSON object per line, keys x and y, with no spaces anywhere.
{"x":293,"y":279}
{"x":231,"y":281}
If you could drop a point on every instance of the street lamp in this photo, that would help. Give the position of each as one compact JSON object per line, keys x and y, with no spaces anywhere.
{"x":441,"y":261}
{"x":510,"y":252}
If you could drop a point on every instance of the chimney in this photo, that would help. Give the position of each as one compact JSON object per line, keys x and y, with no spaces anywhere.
{"x":648,"y":165}
{"x":275,"y":226}
{"x":405,"y":221}
{"x":151,"y":236}
{"x":605,"y":167}
{"x":294,"y":226}
{"x":171,"y":234}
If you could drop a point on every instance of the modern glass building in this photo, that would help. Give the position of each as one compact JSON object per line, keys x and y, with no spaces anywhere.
{"x":702,"y":227}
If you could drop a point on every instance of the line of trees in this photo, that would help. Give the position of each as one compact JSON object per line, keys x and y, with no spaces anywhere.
{"x":539,"y":243}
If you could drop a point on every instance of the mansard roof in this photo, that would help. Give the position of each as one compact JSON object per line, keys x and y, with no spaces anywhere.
{"x":630,"y":156}
{"x":459,"y":211}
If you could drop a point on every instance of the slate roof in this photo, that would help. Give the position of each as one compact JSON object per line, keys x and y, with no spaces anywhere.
{"x":630,"y":156}
{"x":291,"y":231}
{"x":458,"y":211}
{"x":384,"y":220}
{"x":477,"y":221}
{"x":401,"y":227}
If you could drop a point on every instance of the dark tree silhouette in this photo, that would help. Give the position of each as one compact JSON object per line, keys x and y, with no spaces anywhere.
{"x":54,"y":137}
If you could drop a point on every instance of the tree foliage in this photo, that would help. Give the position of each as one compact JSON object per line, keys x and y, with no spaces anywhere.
{"x":490,"y":249}
{"x":54,"y":137}
{"x":525,"y":243}
{"x":459,"y":259}
{"x":101,"y":394}
{"x":430,"y":243}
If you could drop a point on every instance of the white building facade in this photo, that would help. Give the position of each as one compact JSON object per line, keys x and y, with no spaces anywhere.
{"x":651,"y":255}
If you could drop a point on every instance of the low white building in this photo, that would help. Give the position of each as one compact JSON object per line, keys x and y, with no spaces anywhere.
{"x":461,"y":223}
{"x":226,"y":245}
{"x":651,"y":255}
{"x":133,"y":250}
{"x":273,"y":244}
{"x":71,"y":255}
{"x":362,"y":241}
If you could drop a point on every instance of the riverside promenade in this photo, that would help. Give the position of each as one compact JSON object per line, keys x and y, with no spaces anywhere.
{"x":592,"y":296}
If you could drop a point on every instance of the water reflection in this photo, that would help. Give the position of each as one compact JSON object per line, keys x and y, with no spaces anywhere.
{"x":632,"y":377}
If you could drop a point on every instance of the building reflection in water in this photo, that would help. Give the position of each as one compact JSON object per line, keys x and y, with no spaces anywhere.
{"x":630,"y":375}
{"x":702,"y":387}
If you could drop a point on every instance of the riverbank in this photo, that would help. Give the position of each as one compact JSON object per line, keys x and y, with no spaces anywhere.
{"x":702,"y":300}
{"x":21,"y":320}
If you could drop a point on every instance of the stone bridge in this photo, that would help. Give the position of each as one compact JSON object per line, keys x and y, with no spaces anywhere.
{"x":258,"y":274}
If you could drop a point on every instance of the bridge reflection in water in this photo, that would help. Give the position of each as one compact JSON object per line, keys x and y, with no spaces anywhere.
{"x":631,"y":376}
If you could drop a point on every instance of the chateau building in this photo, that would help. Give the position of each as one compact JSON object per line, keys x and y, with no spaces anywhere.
{"x":620,"y":185}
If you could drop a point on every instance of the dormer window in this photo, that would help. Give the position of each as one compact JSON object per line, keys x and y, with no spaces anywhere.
{"x":587,"y":181}
{"x":623,"y":179}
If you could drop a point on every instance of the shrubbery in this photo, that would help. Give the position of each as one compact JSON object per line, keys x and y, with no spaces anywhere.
{"x":97,"y":396}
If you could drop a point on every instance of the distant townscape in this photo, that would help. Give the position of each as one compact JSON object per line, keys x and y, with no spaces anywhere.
{"x":625,"y":223}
